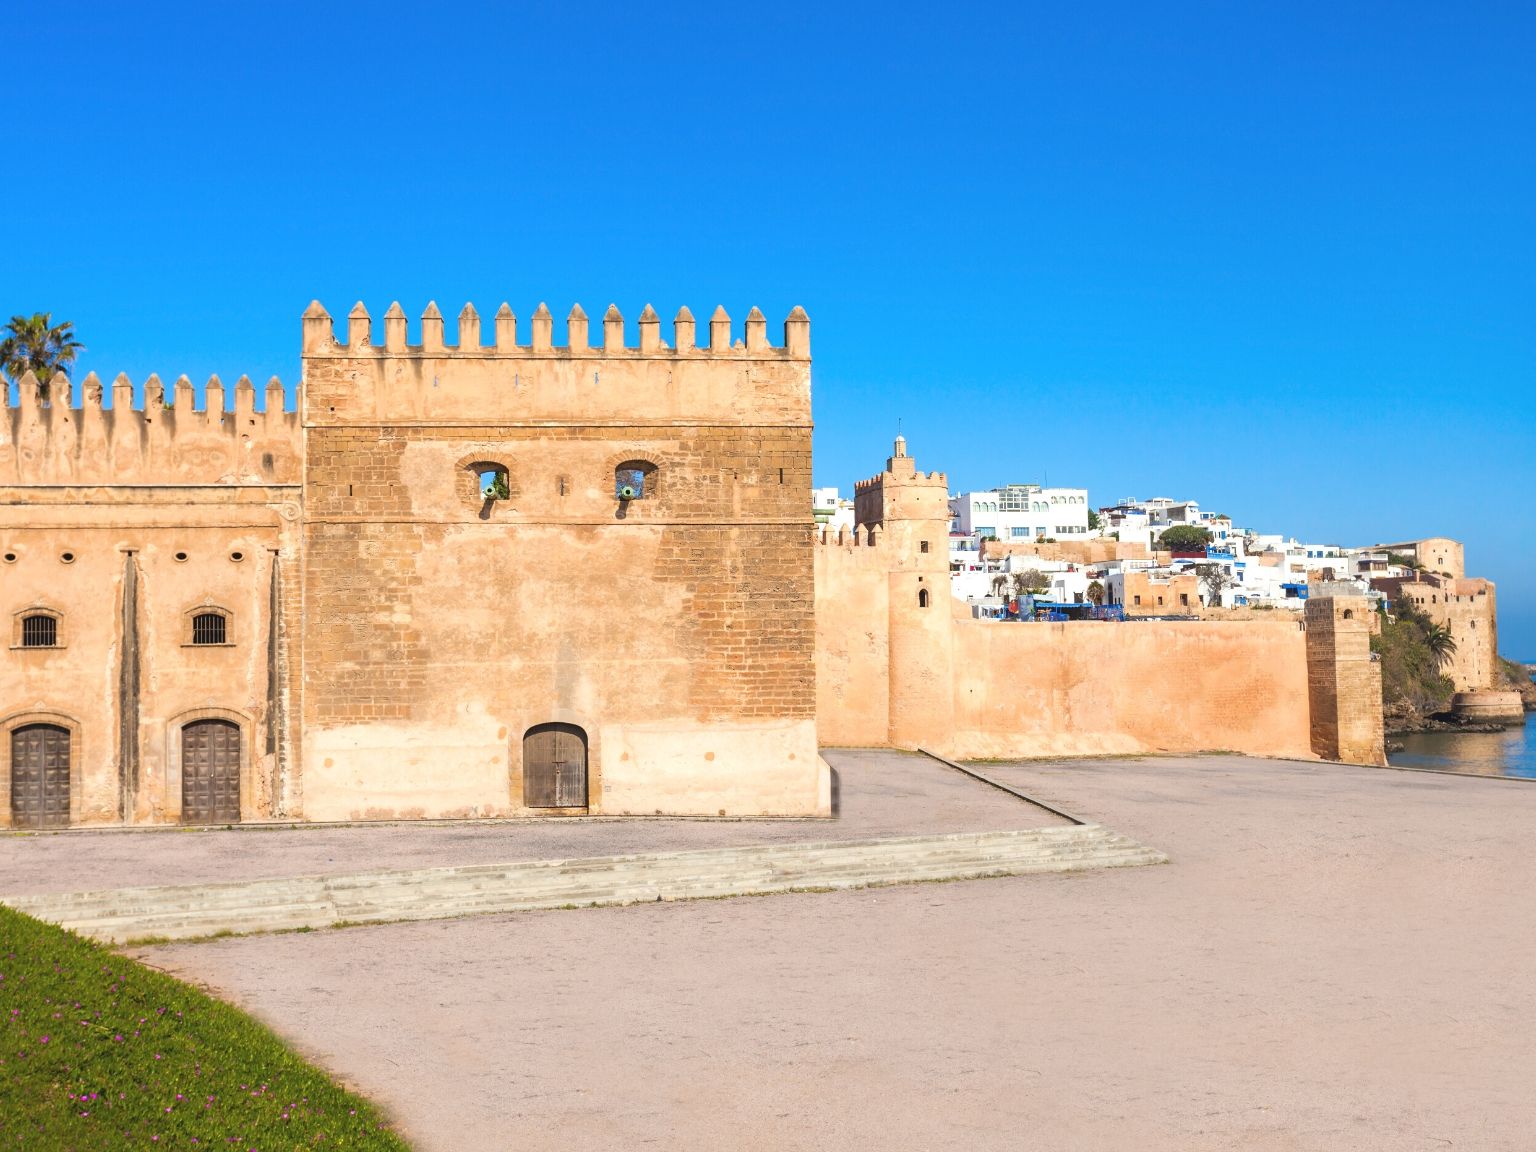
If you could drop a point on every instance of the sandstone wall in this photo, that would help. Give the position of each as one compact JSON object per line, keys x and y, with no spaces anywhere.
{"x":1084,"y":688}
{"x":1073,"y":689}
{"x":1097,"y":550}
{"x":853,"y":673}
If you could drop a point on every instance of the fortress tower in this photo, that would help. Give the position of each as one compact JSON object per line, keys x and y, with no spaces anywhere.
{"x":909,"y":510}
{"x":547,"y":578}
{"x":1343,"y":681}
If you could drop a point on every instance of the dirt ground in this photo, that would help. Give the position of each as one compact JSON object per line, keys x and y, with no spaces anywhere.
{"x":1336,"y":958}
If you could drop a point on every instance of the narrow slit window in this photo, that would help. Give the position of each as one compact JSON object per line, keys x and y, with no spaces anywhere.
{"x":922,"y":597}
{"x":208,"y":628}
{"x":39,"y":632}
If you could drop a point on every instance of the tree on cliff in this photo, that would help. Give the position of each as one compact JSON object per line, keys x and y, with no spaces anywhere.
{"x":1032,"y":581}
{"x":36,"y":344}
{"x":1185,"y":538}
{"x":1412,"y":683}
{"x":1215,"y":579}
{"x":1441,"y":645}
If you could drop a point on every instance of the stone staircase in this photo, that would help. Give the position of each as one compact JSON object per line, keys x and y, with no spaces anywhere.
{"x":188,"y":911}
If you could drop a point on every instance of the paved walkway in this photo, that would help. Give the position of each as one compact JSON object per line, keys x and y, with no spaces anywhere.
{"x":1337,"y":958}
{"x":879,"y":794}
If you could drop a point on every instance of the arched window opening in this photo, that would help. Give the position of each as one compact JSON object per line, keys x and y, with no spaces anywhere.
{"x":634,"y":480}
{"x":922,"y":597}
{"x":1349,"y":613}
{"x":209,"y":628}
{"x":39,"y":631}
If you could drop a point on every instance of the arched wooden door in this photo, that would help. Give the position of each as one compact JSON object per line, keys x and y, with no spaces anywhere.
{"x":40,"y":776}
{"x":210,"y":772}
{"x":555,"y":767}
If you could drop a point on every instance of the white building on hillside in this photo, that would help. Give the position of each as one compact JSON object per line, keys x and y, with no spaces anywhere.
{"x":1022,"y":512}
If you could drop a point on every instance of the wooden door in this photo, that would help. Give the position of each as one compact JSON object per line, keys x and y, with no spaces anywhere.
{"x":210,"y":772}
{"x":40,"y":777}
{"x":555,"y":767}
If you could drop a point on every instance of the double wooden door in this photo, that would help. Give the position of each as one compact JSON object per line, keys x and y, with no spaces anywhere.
{"x":210,"y":772}
{"x":555,"y":767}
{"x":40,"y":777}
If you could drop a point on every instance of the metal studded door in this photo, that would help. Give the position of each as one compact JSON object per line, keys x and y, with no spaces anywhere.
{"x":40,"y":777}
{"x":555,"y":767}
{"x":210,"y":772}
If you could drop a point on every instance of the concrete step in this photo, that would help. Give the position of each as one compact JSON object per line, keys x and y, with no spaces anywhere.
{"x":183,"y":911}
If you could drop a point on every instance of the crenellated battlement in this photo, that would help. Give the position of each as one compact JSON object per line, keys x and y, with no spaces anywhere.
{"x":501,"y":374}
{"x":890,"y":479}
{"x":321,"y":338}
{"x":165,"y":439}
{"x":848,"y":537}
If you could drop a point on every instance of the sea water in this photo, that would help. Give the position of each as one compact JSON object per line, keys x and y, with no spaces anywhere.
{"x":1511,"y":752}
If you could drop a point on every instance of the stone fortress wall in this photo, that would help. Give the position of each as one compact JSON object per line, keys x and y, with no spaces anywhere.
{"x":388,"y":642}
{"x":896,"y":667}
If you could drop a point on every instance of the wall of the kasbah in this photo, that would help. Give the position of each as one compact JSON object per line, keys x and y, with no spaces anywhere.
{"x":900,"y":662}
{"x":1073,"y":689}
{"x":1084,"y":688}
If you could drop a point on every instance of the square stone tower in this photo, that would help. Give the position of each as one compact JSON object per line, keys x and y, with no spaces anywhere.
{"x":908,"y":512}
{"x":1343,"y":681}
{"x":546,"y":579}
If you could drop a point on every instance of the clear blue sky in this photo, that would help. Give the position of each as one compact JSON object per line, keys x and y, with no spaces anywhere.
{"x":1282,"y":261}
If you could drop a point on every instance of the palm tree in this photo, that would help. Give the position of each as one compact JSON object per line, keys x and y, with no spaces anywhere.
{"x":36,"y":344}
{"x":1095,"y":592}
{"x":1442,"y":646}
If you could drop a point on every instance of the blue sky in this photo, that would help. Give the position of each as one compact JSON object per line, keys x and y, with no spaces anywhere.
{"x":1280,"y":260}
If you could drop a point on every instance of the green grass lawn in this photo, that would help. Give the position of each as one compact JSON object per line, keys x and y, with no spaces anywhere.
{"x":98,"y":1052}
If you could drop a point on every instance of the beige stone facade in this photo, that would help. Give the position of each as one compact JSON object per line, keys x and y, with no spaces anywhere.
{"x":393,"y":641}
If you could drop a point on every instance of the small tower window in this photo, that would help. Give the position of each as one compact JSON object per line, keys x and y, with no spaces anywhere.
{"x":39,"y":631}
{"x":480,"y":483}
{"x":209,"y":628}
{"x":922,"y":597}
{"x":922,"y":546}
{"x":634,"y":480}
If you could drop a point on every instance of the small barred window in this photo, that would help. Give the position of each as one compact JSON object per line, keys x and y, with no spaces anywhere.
{"x":208,"y":628}
{"x":39,"y":632}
